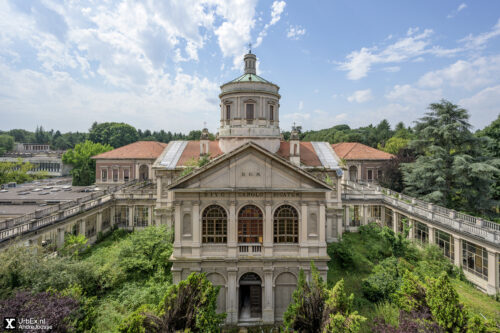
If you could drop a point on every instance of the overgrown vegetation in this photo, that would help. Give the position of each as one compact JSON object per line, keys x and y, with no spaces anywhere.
{"x":401,"y":288}
{"x":108,"y":281}
{"x":18,"y":172}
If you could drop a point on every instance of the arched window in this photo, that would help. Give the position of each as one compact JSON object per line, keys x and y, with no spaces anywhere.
{"x":214,"y":225}
{"x":228,"y":112}
{"x":250,"y":221}
{"x":286,"y":225}
{"x":249,"y":111}
{"x":271,"y":112}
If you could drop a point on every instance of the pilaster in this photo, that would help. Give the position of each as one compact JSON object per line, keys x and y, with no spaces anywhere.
{"x":131,"y":216}
{"x":98,"y":224}
{"x":303,"y":231}
{"x":395,"y":221}
{"x":268,"y":308}
{"x":492,"y":273}
{"x":268,"y":230}
{"x":432,"y":235}
{"x":458,"y":251}
{"x":232,"y":232}
{"x":232,"y":296}
{"x":196,"y":227}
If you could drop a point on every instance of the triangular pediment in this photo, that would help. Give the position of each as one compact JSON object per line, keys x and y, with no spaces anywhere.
{"x":250,"y":167}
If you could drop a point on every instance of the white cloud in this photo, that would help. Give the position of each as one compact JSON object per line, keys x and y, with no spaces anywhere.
{"x":411,"y":47}
{"x":295,"y":32}
{"x":360,"y":96}
{"x":479,"y":41}
{"x":464,"y":74}
{"x":301,"y":105}
{"x":276,"y":10}
{"x":460,"y":7}
{"x":414,"y":96}
{"x":483,"y":106}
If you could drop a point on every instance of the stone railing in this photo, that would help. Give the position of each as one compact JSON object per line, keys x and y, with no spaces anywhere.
{"x":413,"y":207}
{"x":43,"y":217}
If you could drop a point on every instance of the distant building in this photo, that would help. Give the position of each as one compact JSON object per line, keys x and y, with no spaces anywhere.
{"x":130,"y":162}
{"x":362,"y":162}
{"x":41,"y":156}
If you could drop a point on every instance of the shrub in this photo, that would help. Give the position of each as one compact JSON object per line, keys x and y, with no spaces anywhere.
{"x":342,"y":253}
{"x":383,"y":281}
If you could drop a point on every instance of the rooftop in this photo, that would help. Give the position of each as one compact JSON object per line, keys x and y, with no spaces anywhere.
{"x":136,"y":150}
{"x":359,"y":151}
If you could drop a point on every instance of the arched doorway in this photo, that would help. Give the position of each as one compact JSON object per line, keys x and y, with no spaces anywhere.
{"x":250,"y":229}
{"x":285,"y":284}
{"x":250,"y":297}
{"x":143,"y":172}
{"x":353,"y":173}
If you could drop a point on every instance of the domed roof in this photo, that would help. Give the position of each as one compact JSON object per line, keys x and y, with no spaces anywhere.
{"x":248,"y":77}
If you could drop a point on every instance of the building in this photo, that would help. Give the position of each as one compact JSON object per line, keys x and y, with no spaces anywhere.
{"x":41,"y":156}
{"x":363,"y":162}
{"x":130,"y":162}
{"x":259,"y":211}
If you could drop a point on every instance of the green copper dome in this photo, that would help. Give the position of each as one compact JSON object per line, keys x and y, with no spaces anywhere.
{"x":247,"y":77}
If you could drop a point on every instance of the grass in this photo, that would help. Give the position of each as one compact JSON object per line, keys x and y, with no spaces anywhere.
{"x":477,"y":301}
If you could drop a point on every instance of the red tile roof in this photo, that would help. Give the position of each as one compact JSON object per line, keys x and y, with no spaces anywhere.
{"x":192,"y":151}
{"x":359,"y":151}
{"x":308,"y":155}
{"x":136,"y":150}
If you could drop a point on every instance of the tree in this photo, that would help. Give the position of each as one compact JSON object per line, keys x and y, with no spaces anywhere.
{"x":338,"y":314}
{"x":491,"y":134}
{"x":451,"y":169}
{"x":83,"y":171}
{"x":394,"y":145}
{"x":444,"y":305}
{"x":18,"y":172}
{"x":6,"y":143}
{"x":113,"y":134}
{"x":392,"y":177}
{"x":189,"y":305}
{"x":305,"y":312}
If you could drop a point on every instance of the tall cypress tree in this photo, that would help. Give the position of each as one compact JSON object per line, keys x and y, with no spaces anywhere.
{"x":451,"y":169}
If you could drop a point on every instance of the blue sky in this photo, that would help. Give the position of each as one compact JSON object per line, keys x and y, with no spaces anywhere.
{"x":159,"y":64}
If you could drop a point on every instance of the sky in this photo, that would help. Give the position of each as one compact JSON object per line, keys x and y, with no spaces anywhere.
{"x":159,"y":64}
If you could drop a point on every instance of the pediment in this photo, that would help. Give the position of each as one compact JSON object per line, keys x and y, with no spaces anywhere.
{"x":250,"y":167}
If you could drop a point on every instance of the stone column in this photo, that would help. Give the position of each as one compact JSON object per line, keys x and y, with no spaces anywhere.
{"x":98,"y":223}
{"x":322,"y":230}
{"x":232,"y":231}
{"x":395,"y":221}
{"x":268,"y":231}
{"x":382,"y":215}
{"x":303,"y":231}
{"x":82,"y":227}
{"x":432,"y":235}
{"x":365,"y":215}
{"x":232,"y":296}
{"x":176,"y":275}
{"x":492,"y":273}
{"x":458,"y":251}
{"x":112,"y":213}
{"x":268,"y":308}
{"x":347,"y":216}
{"x":60,"y":238}
{"x":195,"y":227}
{"x":131,"y":216}
{"x":411,"y":234}
{"x":150,"y":215}
{"x":177,"y":228}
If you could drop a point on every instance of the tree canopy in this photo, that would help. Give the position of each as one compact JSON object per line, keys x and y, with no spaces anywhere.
{"x":450,"y":169}
{"x":83,"y":171}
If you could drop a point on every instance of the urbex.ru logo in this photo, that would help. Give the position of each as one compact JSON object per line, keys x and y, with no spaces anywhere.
{"x":9,"y":323}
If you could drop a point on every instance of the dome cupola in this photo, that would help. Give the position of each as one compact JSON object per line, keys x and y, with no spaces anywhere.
{"x":249,"y":110}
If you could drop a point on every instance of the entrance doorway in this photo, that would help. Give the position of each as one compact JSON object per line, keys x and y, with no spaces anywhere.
{"x":250,"y":298}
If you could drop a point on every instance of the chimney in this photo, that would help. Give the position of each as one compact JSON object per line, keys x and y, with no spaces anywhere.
{"x":294,"y":147}
{"x":204,"y":142}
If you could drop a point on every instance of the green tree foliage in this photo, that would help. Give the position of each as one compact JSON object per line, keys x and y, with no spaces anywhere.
{"x":189,"y":306}
{"x":80,"y":158}
{"x":491,"y":134}
{"x":113,"y":134}
{"x":383,"y":281}
{"x":305,"y":312}
{"x":338,"y":313}
{"x":445,"y":306}
{"x":6,"y":143}
{"x":392,"y":177}
{"x":193,"y":164}
{"x":411,"y":294}
{"x":73,"y":244}
{"x":451,"y":169}
{"x":18,"y":172}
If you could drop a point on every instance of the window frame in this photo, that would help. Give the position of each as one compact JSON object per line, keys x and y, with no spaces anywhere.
{"x":214,"y":228}
{"x":286,"y":228}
